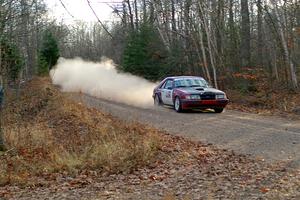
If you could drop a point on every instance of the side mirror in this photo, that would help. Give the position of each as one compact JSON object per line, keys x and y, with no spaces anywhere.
{"x":170,"y":88}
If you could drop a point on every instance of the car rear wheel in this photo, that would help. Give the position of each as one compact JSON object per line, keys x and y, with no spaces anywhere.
{"x":157,"y":101}
{"x":177,"y":105}
{"x":218,"y":110}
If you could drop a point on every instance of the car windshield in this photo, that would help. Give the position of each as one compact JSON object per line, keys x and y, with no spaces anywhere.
{"x":190,"y":82}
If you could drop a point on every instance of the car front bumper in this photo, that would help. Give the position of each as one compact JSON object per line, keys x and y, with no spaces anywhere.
{"x":190,"y":104}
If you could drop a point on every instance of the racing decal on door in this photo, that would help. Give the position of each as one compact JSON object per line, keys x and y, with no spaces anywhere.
{"x":168,"y":95}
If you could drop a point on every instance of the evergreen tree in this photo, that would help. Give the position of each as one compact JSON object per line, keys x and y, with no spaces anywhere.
{"x":10,"y":67}
{"x":144,"y":54}
{"x":11,"y":60}
{"x":49,"y":53}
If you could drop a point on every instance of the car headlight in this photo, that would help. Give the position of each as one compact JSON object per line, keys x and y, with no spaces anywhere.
{"x":220,"y":96}
{"x":193,"y":97}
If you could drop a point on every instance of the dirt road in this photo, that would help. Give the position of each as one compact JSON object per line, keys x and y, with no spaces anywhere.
{"x":270,"y":138}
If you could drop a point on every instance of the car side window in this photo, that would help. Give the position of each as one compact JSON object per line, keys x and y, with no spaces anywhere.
{"x":163,"y":85}
{"x":168,"y":85}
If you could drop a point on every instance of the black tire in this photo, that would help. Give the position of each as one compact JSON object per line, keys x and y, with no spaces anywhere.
{"x":177,"y":104}
{"x":219,"y":110}
{"x":157,"y":101}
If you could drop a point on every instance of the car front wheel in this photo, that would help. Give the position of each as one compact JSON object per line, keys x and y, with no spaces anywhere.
{"x":177,"y":105}
{"x":218,"y":110}
{"x":157,"y":100}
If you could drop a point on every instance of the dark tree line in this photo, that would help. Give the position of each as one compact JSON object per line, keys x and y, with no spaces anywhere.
{"x":218,"y":39}
{"x":22,"y":27}
{"x":212,"y":38}
{"x":222,"y":40}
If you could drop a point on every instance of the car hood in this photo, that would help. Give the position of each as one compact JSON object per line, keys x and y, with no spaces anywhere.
{"x":194,"y":90}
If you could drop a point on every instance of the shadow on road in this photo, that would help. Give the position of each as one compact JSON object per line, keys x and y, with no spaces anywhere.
{"x":191,"y":111}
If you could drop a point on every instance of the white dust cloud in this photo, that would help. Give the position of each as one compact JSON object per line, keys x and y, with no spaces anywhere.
{"x":102,"y":80}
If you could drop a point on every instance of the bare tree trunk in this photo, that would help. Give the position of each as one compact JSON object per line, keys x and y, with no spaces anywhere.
{"x":166,"y":21}
{"x":173,"y":15}
{"x":218,"y":28}
{"x":212,"y":60}
{"x":285,"y":48}
{"x":136,"y":15}
{"x":209,"y":41}
{"x":233,"y":46}
{"x":245,"y":34}
{"x":2,"y":143}
{"x":259,"y":34}
{"x":151,"y":10}
{"x":130,"y":15}
{"x":124,"y":14}
{"x":162,"y":36}
{"x":204,"y":56}
{"x":2,"y":146}
{"x":144,"y":11}
{"x":28,"y":50}
{"x":275,"y":68}
{"x":187,"y":28}
{"x":36,"y":37}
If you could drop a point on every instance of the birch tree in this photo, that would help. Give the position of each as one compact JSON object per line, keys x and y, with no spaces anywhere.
{"x":281,"y":24}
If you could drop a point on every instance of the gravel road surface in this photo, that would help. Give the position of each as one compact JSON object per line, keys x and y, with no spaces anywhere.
{"x":271,"y":138}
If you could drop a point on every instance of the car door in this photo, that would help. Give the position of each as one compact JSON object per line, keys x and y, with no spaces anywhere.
{"x":166,"y":92}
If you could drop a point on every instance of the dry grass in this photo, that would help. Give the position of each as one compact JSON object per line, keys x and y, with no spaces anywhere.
{"x":278,"y":103}
{"x":46,"y":132}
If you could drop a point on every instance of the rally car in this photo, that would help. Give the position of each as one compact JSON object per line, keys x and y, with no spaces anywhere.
{"x":189,"y":92}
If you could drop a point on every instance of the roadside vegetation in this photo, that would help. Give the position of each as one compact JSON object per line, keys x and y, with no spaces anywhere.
{"x":263,"y":98}
{"x":45,"y":133}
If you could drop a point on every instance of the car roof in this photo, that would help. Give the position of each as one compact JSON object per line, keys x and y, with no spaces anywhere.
{"x":180,"y":77}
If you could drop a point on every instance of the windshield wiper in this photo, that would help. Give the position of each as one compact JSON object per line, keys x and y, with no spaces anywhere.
{"x":179,"y":86}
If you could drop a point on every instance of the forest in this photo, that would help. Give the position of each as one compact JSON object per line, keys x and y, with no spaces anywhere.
{"x":228,"y":42}
{"x":231,"y":43}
